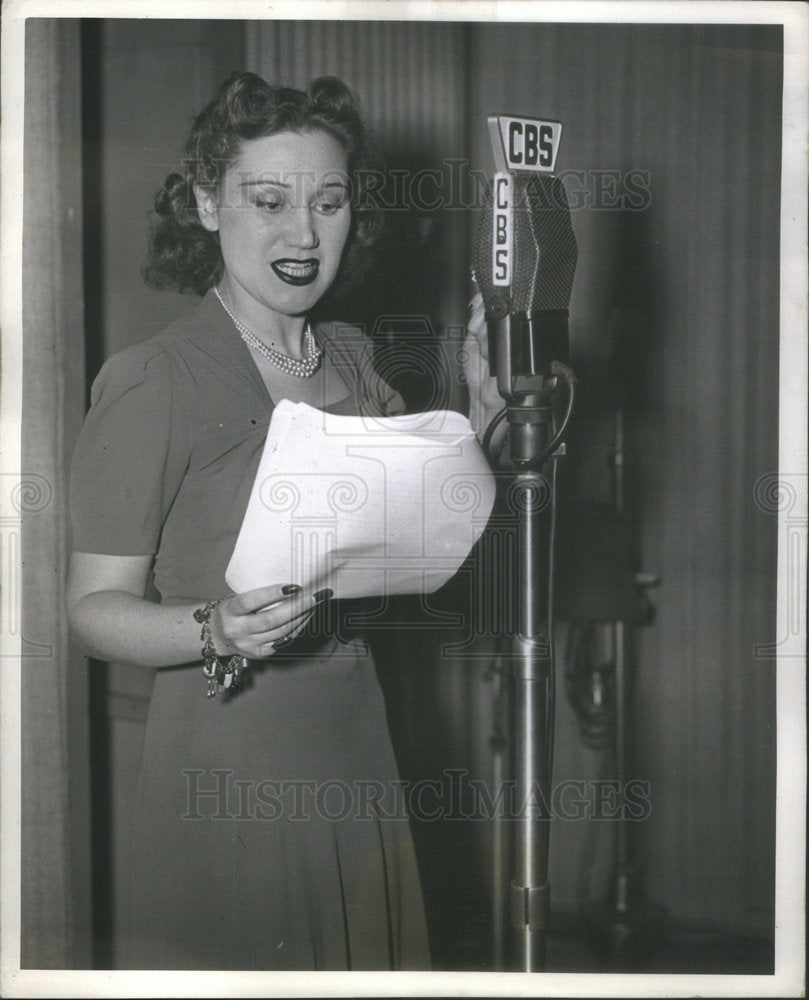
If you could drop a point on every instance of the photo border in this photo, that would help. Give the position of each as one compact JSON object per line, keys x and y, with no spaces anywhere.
{"x":791,"y":730}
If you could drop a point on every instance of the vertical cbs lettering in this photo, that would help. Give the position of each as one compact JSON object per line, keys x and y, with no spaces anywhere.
{"x":501,"y":261}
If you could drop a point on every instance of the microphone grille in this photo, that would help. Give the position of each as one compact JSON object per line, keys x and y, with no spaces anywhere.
{"x":544,"y":252}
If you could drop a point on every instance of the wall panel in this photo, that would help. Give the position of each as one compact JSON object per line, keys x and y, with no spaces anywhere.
{"x":55,"y":777}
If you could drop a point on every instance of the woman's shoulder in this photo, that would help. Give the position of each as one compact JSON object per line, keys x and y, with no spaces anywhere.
{"x":163,"y":356}
{"x":133,"y":365}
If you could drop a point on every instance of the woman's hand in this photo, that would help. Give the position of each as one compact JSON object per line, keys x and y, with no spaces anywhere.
{"x":112,"y":618}
{"x":259,"y":622}
{"x":484,"y":400}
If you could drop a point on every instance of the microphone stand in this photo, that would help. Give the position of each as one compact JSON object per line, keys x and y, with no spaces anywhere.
{"x":532,"y":661}
{"x":627,"y":926}
{"x":530,"y":417}
{"x":526,"y":299}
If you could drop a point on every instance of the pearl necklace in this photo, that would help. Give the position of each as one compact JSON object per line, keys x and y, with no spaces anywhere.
{"x":289,"y":366}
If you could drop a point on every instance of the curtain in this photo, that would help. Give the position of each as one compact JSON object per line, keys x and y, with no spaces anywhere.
{"x":410,"y":79}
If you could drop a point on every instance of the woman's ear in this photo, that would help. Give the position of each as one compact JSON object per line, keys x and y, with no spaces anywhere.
{"x":207,"y":209}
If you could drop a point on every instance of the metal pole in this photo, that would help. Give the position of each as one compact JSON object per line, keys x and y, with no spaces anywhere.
{"x":623,"y":865}
{"x":529,"y":890}
{"x":498,"y":744}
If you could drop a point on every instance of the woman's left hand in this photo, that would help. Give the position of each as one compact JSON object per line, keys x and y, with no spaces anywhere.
{"x":257,"y":623}
{"x":484,"y":400}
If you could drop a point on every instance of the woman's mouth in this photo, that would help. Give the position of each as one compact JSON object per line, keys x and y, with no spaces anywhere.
{"x":296,"y":272}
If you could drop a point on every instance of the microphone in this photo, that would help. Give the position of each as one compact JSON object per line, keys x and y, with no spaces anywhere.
{"x":525,"y":261}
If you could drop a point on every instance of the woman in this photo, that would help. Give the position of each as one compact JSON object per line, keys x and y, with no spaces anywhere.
{"x":244,"y":853}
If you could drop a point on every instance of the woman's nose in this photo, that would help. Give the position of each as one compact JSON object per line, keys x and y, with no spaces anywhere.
{"x":301,"y":231}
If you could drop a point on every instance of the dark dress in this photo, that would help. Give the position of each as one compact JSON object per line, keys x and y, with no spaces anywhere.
{"x":269,"y":831}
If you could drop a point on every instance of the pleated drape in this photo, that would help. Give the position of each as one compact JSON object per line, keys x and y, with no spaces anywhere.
{"x":410,"y":79}
{"x":409,"y":76}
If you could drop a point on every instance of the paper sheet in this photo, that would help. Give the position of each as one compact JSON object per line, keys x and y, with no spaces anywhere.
{"x":365,"y":505}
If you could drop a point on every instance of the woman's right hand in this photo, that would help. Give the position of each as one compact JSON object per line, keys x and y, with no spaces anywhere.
{"x":258,"y":623}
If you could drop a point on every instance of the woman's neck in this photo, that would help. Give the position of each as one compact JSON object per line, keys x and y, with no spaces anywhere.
{"x":277,"y":330}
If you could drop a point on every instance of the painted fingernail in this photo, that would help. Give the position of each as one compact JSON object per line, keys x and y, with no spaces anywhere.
{"x":281,"y":643}
{"x":323,"y":595}
{"x":290,"y":588}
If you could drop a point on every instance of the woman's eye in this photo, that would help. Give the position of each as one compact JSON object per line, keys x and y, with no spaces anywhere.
{"x":269,"y":204}
{"x":328,"y":206}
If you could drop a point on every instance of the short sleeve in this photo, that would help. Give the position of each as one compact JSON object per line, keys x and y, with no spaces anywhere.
{"x":130,"y":457}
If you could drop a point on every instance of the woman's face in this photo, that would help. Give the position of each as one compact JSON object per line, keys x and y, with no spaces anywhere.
{"x":283,"y":215}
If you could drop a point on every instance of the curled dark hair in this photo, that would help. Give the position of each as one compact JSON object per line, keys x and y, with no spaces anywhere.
{"x":186,"y":257}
